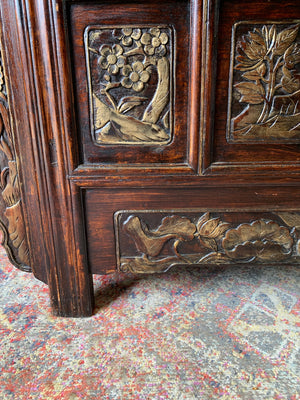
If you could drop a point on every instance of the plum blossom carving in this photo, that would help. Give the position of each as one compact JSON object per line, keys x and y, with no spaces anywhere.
{"x":124,"y":61}
{"x":267,"y":82}
{"x":154,"y":42}
{"x":135,"y":76}
{"x":127,"y":35}
{"x":111,"y":58}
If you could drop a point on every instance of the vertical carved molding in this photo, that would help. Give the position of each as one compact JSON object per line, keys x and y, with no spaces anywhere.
{"x":11,"y":214}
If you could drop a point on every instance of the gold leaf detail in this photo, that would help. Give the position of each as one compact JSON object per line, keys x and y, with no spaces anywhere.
{"x":251,"y":93}
{"x":128,"y":103}
{"x":284,"y":39}
{"x":151,"y":242}
{"x":256,"y":74}
{"x":209,"y":243}
{"x":292,"y":219}
{"x":260,"y":240}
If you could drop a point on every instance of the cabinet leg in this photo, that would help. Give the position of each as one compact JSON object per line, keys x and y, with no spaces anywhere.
{"x":72,"y":297}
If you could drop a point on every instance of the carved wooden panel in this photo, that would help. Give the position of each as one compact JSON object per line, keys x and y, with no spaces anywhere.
{"x":11,"y":219}
{"x":131,"y":78}
{"x":130,"y":71}
{"x":265,"y":82}
{"x":154,"y":241}
{"x":251,"y":98}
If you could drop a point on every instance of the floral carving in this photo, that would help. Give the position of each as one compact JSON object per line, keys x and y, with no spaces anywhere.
{"x":266,"y":83}
{"x":122,"y":63}
{"x":179,"y":239}
{"x":128,"y":35}
{"x":111,"y":59}
{"x":151,"y":242}
{"x":209,"y":230}
{"x":12,"y":225}
{"x":261,"y":240}
{"x":154,"y":42}
{"x":135,"y":76}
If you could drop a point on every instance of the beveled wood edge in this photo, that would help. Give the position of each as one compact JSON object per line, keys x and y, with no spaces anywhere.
{"x":210,"y":17}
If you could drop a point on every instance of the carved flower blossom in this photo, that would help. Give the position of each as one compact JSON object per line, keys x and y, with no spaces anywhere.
{"x":111,"y":58}
{"x":127,"y":35}
{"x":154,"y":42}
{"x":261,"y":240}
{"x":135,"y":76}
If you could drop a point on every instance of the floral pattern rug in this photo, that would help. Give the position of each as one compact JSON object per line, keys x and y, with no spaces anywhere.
{"x":199,"y":333}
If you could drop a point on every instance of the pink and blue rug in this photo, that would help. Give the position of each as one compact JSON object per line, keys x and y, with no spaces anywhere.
{"x":218,"y":333}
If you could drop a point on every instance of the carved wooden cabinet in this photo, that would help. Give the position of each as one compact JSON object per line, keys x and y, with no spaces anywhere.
{"x":139,"y":135}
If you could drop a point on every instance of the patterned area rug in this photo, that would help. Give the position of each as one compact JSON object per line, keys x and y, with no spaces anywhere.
{"x":223,"y":333}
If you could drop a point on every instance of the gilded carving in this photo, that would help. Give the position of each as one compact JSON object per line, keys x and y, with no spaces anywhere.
{"x":130,"y":85}
{"x":210,"y":238}
{"x":265,"y":87}
{"x":12,"y":222}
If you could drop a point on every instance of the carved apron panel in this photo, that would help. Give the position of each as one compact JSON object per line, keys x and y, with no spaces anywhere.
{"x":130,"y":84}
{"x":154,"y":241}
{"x":264,"y":98}
{"x":11,"y":219}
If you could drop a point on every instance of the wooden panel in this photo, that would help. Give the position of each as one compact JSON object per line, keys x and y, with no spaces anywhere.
{"x":132,"y":78}
{"x":154,"y":241}
{"x":255,"y":110}
{"x":102,"y":204}
{"x":264,"y":88}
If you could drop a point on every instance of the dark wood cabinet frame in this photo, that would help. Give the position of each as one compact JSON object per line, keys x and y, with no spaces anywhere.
{"x":81,"y":208}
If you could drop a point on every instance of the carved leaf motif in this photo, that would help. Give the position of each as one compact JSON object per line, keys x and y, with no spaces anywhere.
{"x":261,"y":240}
{"x":256,"y":74}
{"x":256,"y":36}
{"x":292,"y":219}
{"x":180,"y":227}
{"x":271,"y":35}
{"x":202,"y":220}
{"x":151,"y":242}
{"x":128,"y":103}
{"x":292,"y":55}
{"x":290,"y":85}
{"x":209,"y":227}
{"x":209,"y":243}
{"x":284,"y":39}
{"x":267,"y":56}
{"x":250,"y":92}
